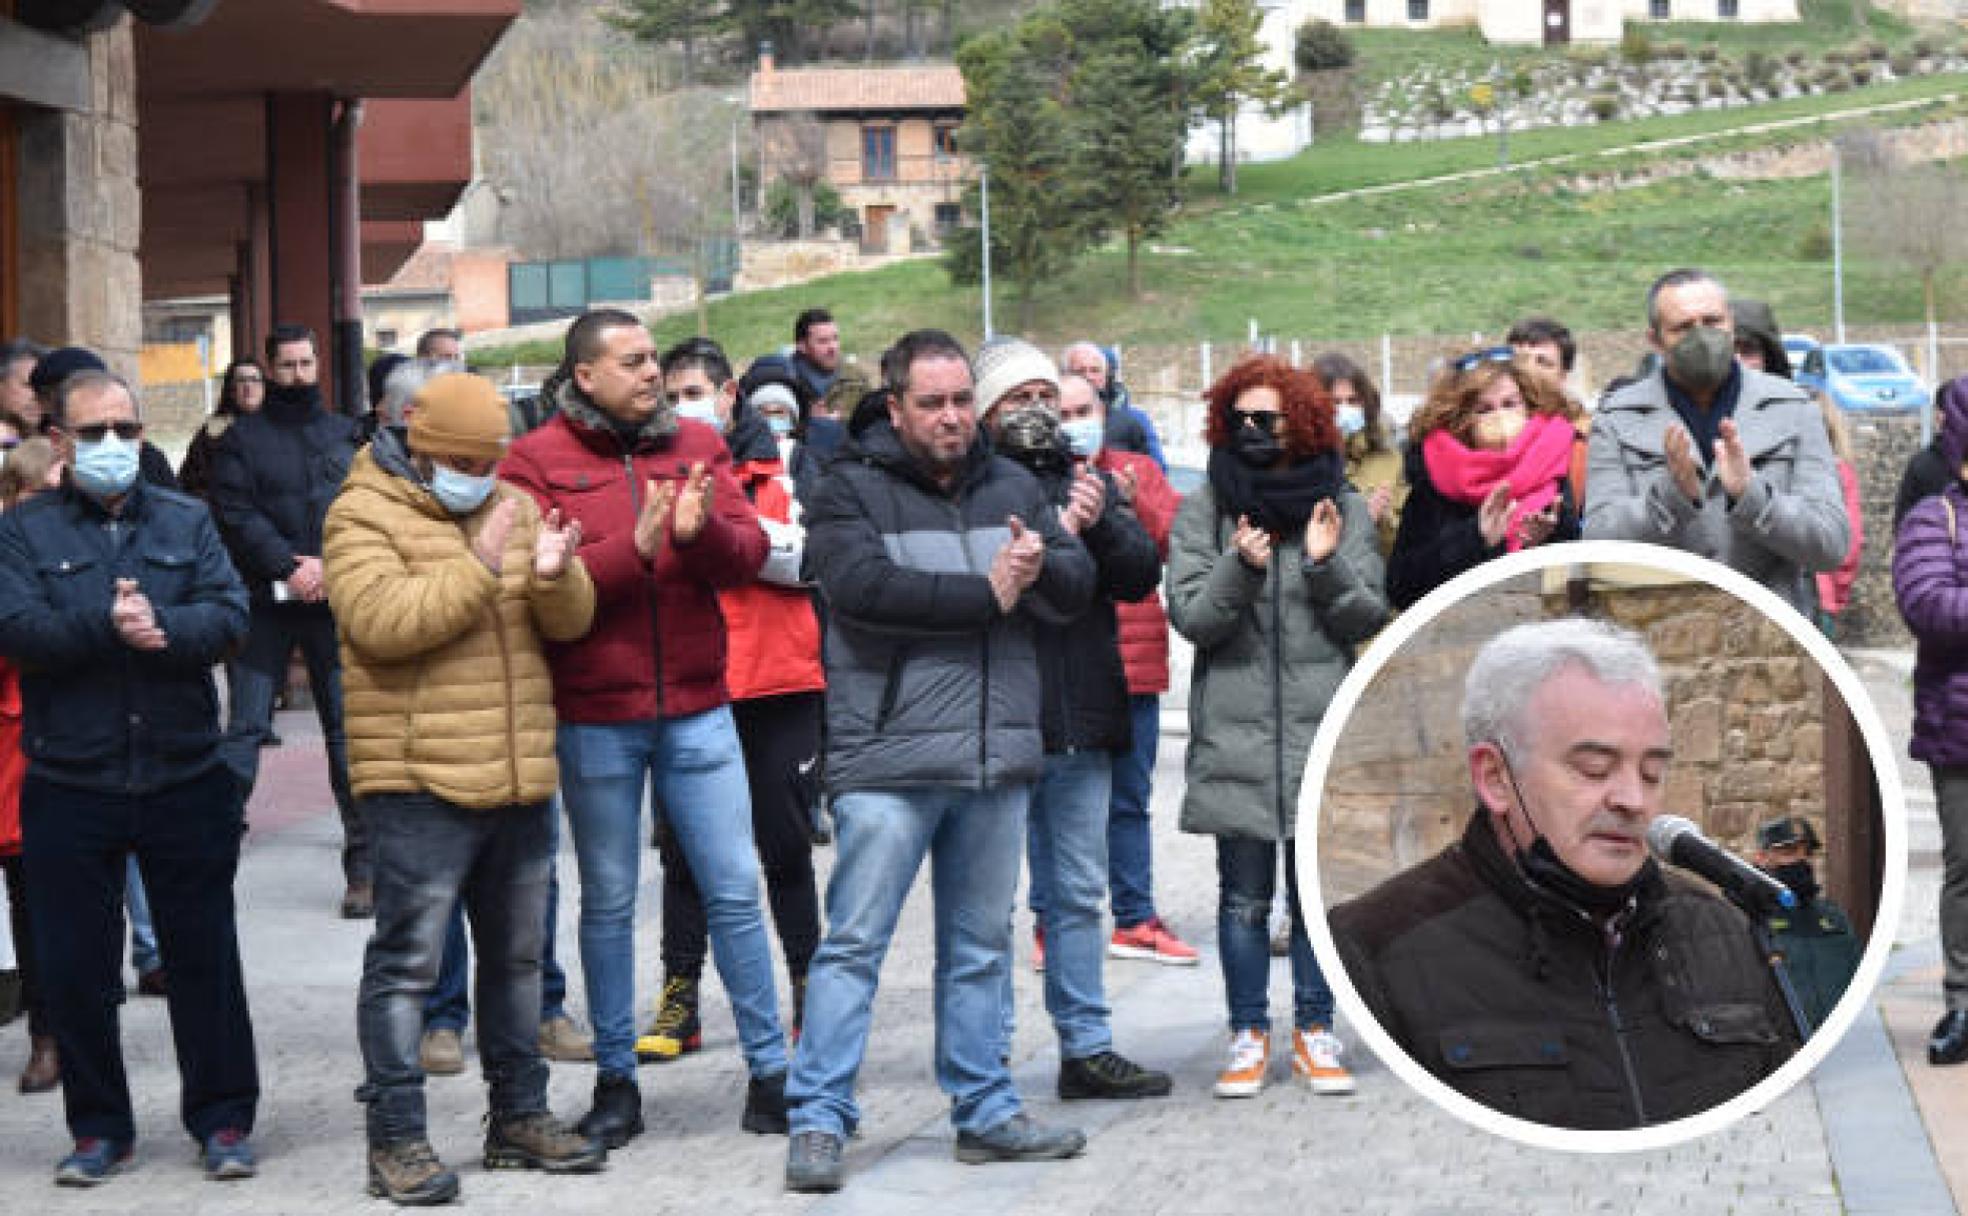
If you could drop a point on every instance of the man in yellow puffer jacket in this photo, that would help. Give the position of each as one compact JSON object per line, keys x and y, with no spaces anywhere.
{"x":444,"y":583}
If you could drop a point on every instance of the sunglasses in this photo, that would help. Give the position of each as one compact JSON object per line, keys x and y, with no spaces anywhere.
{"x":1476,"y":358}
{"x":96,"y":432}
{"x":1264,"y":420}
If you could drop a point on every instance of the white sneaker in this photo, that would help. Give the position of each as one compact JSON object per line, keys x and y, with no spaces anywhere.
{"x":1315,"y":1060}
{"x":1243,"y":1073}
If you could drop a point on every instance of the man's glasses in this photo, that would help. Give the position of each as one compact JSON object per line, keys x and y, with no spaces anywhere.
{"x":1264,"y":420}
{"x":96,"y":432}
{"x":1476,"y":358}
{"x":1026,"y":397}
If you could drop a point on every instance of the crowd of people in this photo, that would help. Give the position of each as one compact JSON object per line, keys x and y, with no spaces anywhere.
{"x":917,"y":615}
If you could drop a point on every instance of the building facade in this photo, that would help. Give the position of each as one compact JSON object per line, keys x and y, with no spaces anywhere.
{"x":884,"y":138}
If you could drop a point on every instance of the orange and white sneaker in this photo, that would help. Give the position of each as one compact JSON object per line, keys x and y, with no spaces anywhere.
{"x":1243,"y":1072}
{"x":1151,"y":940}
{"x":1315,"y":1060}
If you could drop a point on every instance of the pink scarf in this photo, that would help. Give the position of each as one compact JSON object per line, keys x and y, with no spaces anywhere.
{"x":1534,"y":464}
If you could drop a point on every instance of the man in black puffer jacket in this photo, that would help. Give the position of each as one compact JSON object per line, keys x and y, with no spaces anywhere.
{"x":1086,"y":719}
{"x":273,"y":476}
{"x":939,"y":561}
{"x":1544,"y":965}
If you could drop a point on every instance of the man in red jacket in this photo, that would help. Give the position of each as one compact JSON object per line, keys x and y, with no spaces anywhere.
{"x":642,"y":697}
{"x":1138,"y":931}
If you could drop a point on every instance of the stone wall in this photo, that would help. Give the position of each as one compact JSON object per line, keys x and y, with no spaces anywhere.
{"x":81,"y":213}
{"x":1745,"y":701}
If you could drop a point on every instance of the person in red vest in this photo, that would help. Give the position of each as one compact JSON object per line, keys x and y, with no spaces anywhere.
{"x":777,"y":699}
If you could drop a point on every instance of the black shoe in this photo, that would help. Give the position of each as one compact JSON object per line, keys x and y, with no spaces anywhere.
{"x":813,"y":1162}
{"x":1020,"y":1138}
{"x":1110,"y":1075}
{"x":765,"y":1106}
{"x":616,"y":1117}
{"x":1949,"y":1043}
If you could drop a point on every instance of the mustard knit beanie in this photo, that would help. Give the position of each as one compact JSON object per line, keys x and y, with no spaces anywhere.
{"x":459,"y":414}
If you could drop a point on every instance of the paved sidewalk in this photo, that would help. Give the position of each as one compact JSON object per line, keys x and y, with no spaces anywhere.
{"x":1382,"y":1150}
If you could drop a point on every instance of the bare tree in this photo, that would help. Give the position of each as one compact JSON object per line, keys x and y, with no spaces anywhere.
{"x":796,"y":149}
{"x":1906,"y":213}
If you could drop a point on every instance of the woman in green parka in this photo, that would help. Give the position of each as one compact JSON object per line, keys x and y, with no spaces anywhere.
{"x":1274,"y":576}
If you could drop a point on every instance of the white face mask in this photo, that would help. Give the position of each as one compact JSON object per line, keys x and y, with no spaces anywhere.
{"x":1351,"y":419}
{"x":699,"y":409}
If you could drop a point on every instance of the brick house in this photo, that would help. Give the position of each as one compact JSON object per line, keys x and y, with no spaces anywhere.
{"x":885,"y":136}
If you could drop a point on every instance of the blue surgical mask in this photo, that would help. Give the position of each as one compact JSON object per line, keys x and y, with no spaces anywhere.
{"x":1351,"y":419}
{"x":460,"y":493}
{"x":781,"y":425}
{"x":699,"y":409}
{"x":105,"y":468}
{"x":1084,"y":436}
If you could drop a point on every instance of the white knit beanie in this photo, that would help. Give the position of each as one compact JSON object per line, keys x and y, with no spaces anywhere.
{"x":1002,"y":364}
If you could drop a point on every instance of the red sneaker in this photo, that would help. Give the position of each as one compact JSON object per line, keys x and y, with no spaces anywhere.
{"x":1152,"y":940}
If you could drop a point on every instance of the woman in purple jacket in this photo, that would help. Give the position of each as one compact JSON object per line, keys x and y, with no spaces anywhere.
{"x":1930,"y":580}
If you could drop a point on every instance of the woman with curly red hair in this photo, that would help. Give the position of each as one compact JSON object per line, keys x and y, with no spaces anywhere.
{"x":1274,"y":575}
{"x":1489,"y":455}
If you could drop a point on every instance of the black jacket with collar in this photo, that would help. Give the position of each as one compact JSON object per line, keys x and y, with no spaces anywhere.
{"x":274,"y":472}
{"x":1530,"y":1006}
{"x":97,"y":713}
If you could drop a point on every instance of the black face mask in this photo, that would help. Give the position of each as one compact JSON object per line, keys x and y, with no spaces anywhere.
{"x":1256,"y":448}
{"x":1543,"y":867}
{"x":292,"y":395}
{"x":1800,"y":878}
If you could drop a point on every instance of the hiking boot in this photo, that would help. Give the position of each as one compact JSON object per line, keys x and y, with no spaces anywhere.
{"x":442,"y":1053}
{"x":538,"y":1141}
{"x":1315,"y":1060}
{"x":229,"y":1155}
{"x":1151,"y":940}
{"x":813,"y":1162}
{"x":359,"y":901}
{"x":92,"y":1162}
{"x":43,"y":1071}
{"x":1109,"y":1074}
{"x":408,"y":1173}
{"x":765,"y":1106}
{"x":675,"y":1032}
{"x":562,"y":1039}
{"x":1020,"y":1138}
{"x":616,"y":1116}
{"x":1243,"y":1072}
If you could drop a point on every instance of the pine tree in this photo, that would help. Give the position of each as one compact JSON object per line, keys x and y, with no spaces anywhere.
{"x":1231,"y":73}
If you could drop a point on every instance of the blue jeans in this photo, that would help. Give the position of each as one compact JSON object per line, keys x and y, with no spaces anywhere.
{"x":430,"y":856}
{"x":971,"y":838}
{"x":700,"y":780}
{"x":143,"y":935}
{"x":1130,"y":850}
{"x":1066,"y":842}
{"x":1247,"y":878}
{"x":449,"y":1006}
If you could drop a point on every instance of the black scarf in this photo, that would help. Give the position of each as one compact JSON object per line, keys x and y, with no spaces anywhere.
{"x":1277,"y":500}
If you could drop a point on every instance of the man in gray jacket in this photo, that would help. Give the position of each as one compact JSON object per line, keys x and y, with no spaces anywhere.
{"x":1708,"y":456}
{"x":935,"y":556}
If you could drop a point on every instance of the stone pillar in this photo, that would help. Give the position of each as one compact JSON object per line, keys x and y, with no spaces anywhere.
{"x":300,"y":262}
{"x":80,"y":213}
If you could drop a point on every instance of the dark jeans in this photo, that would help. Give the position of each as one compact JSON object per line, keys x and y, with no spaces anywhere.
{"x":22,"y":922}
{"x":257,"y":676}
{"x":186,"y":840}
{"x":1247,"y":878}
{"x":429,"y":854}
{"x":449,"y":1007}
{"x":780,"y":738}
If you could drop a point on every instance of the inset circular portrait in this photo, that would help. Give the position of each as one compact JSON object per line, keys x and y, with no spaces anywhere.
{"x":1601,"y":834}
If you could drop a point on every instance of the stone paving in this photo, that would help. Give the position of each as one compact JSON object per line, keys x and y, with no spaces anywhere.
{"x":1382,"y":1150}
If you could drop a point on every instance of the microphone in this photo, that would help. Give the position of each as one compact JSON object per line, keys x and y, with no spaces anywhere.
{"x":1679,"y":842}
